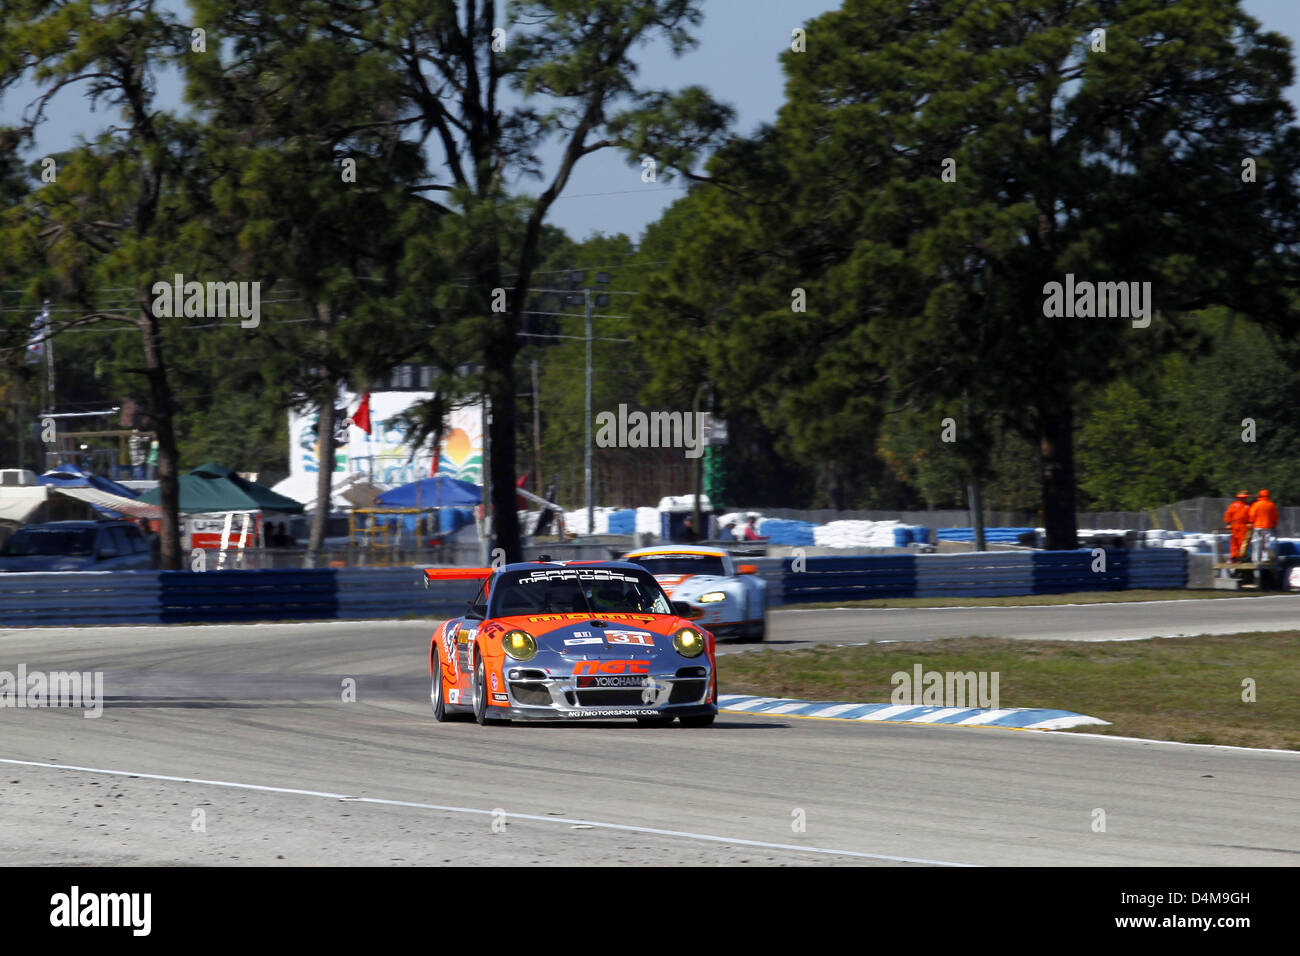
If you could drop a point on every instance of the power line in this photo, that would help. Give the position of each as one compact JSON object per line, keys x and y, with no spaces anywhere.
{"x":577,"y":291}
{"x":580,"y":338}
{"x":623,"y":192}
{"x":578,"y":315}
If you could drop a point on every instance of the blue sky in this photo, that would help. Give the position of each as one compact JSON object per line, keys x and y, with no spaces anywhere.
{"x":736,"y":60}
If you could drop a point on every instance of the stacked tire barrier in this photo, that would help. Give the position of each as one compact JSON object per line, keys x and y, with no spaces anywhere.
{"x":189,"y":597}
{"x":90,"y":597}
{"x":991,"y":535}
{"x":217,"y":597}
{"x":982,"y":574}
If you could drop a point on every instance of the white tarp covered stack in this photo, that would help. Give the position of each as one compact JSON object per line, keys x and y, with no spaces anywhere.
{"x":856,"y":534}
{"x":575,"y":522}
{"x":1196,"y":543}
{"x":647,"y":521}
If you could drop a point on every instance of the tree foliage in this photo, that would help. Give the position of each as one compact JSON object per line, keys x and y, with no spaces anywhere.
{"x":935,"y":166}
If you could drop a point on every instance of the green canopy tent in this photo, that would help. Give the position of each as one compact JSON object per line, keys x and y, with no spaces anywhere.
{"x":213,"y":487}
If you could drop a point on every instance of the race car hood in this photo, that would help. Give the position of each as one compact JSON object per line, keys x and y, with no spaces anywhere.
{"x":599,"y":636}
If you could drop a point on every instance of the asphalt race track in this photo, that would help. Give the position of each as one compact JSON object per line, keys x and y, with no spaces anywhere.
{"x":233,"y":745}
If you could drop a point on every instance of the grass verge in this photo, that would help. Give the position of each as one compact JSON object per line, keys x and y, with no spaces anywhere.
{"x":1040,"y":600}
{"x":1187,"y":688}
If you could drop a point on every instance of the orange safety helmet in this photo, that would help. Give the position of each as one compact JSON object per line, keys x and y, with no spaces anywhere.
{"x":1263,"y":493}
{"x":1243,"y":494}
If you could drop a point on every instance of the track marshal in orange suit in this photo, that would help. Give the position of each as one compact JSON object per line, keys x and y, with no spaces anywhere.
{"x":1237,"y":518}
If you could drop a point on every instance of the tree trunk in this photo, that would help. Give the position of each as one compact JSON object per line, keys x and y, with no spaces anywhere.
{"x":1056,"y":454}
{"x":160,"y":395}
{"x":324,"y":450}
{"x":499,"y":379}
{"x":501,"y":432}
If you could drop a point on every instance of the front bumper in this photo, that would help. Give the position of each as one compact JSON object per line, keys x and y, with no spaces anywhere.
{"x":535,"y":694}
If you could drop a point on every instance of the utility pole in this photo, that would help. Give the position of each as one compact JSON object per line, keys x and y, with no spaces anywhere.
{"x":537,"y":432}
{"x":586,"y":467}
{"x":49,"y":373}
{"x":699,"y":465}
{"x":973,"y":490}
{"x":488,"y":529}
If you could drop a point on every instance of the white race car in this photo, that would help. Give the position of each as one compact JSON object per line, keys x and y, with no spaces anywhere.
{"x":730,"y":600}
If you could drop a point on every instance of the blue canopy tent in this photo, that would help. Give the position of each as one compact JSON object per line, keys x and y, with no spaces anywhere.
{"x":68,"y":475}
{"x":436,"y":492}
{"x":450,"y":496}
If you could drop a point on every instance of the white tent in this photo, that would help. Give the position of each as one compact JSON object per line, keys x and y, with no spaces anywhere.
{"x":346,"y":491}
{"x":102,"y":499}
{"x":18,"y":504}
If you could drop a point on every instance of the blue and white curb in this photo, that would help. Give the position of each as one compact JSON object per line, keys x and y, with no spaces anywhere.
{"x":1022,"y":718}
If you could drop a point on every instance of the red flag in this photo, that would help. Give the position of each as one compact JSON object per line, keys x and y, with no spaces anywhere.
{"x":361,"y":417}
{"x":521,"y":503}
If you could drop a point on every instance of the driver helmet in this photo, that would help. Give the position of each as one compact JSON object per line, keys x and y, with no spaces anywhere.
{"x":606,"y":595}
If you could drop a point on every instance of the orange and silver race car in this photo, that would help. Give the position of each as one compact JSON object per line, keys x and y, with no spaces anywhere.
{"x":571,"y":640}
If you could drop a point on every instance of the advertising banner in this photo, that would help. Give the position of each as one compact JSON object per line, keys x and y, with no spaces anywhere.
{"x":385,"y":455}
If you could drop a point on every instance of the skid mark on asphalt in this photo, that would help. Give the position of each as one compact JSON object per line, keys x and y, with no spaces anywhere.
{"x":624,"y":827}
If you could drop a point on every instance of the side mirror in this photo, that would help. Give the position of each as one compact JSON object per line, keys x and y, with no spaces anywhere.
{"x":686,"y":610}
{"x":746,"y":569}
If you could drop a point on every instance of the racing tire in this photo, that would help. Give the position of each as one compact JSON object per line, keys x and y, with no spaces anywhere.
{"x":439,"y":705}
{"x":698,"y":720}
{"x":655,"y":721}
{"x":756,"y":635}
{"x":480,"y":696}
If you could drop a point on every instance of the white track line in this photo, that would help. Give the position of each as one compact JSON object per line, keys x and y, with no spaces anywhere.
{"x":682,"y":834}
{"x":1063,"y":734}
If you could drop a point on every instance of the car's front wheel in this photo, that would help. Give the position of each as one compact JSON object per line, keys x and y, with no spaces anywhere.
{"x":480,"y":697}
{"x":436,"y":694}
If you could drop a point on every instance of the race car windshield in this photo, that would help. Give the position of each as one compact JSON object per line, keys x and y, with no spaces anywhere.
{"x":681,"y":564}
{"x":578,"y":590}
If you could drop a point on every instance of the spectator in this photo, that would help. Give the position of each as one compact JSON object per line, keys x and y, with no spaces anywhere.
{"x":727,"y":533}
{"x":688,"y":530}
{"x":154,"y":540}
{"x":751,"y":530}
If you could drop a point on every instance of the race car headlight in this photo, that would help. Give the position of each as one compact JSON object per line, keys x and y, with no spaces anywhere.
{"x":520,"y":645}
{"x":688,"y":642}
{"x":713,"y":597}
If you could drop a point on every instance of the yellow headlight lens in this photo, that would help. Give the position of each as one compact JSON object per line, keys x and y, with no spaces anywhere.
{"x":713,"y":597}
{"x":520,"y":645}
{"x":689,"y":642}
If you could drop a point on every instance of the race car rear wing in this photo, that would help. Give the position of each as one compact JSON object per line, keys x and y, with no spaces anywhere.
{"x":456,"y":574}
